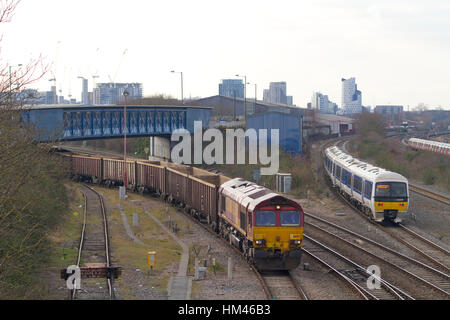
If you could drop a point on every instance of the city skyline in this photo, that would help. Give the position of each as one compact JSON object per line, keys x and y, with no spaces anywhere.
{"x":396,"y":51}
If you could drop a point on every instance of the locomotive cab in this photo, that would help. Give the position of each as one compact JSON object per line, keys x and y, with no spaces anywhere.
{"x":391,"y":200}
{"x":277,"y":234}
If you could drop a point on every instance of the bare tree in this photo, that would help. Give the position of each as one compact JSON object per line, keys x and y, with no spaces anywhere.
{"x":31,"y":191}
{"x":370,"y":123}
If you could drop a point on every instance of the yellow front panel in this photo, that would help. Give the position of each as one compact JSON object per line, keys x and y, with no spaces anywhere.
{"x":278,"y":237}
{"x":400,"y":206}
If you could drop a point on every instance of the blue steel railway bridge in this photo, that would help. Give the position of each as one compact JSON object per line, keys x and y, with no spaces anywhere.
{"x":79,"y":122}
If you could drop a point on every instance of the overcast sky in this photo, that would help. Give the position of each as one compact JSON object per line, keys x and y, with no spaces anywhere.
{"x":399,"y":51}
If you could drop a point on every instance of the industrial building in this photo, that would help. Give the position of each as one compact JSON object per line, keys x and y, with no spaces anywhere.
{"x":289,"y":126}
{"x":337,"y":124}
{"x":391,"y":113}
{"x":228,"y":108}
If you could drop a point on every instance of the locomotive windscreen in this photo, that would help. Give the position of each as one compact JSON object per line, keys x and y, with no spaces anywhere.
{"x":390,"y":190}
{"x":266,"y":218}
{"x":289,"y":218}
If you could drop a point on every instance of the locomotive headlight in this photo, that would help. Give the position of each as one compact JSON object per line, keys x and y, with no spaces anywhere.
{"x":260,"y":242}
{"x":296,"y":242}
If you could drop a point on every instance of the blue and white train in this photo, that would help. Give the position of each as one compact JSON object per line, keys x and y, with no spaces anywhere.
{"x":381,"y":194}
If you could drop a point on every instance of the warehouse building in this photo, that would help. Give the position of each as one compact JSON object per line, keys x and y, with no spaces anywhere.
{"x":338,"y":124}
{"x":289,"y":126}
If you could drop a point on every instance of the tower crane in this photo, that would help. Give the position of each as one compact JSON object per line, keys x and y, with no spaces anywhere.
{"x":113,"y":80}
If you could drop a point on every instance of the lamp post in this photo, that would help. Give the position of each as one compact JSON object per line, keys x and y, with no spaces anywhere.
{"x":180,"y":72}
{"x":245,"y":96}
{"x":125,"y":94}
{"x":10,"y":75}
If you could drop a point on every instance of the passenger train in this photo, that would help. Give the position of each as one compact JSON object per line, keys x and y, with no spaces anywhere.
{"x":267,"y":227}
{"x":381,"y":194}
{"x":429,"y":145}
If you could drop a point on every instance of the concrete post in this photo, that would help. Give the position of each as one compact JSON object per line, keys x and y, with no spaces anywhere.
{"x":135,"y":219}
{"x":122,"y":193}
{"x":230,"y":268}
{"x":196,"y":269}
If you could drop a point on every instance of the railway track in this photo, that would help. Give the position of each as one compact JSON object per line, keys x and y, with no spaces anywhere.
{"x":282,"y":286}
{"x":431,"y":277}
{"x":93,"y":250}
{"x":434,"y":254}
{"x":276,"y":285}
{"x":429,"y":194}
{"x":354,"y":275}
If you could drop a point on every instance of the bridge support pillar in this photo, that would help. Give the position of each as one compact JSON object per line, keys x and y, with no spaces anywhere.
{"x":159,"y":148}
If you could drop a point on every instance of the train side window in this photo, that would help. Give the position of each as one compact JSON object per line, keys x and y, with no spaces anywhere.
{"x":367,"y":189}
{"x":243,"y":221}
{"x":223,"y":203}
{"x":357,"y":184}
{"x":344,"y":176}
{"x":338,"y":172}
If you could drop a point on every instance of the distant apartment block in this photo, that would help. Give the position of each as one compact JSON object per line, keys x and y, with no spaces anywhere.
{"x":84,"y":91}
{"x":351,"y":97}
{"x":112,"y":93}
{"x":290,"y":100}
{"x":231,"y":88}
{"x":322,"y":104}
{"x":392,"y":113}
{"x":276,"y":94}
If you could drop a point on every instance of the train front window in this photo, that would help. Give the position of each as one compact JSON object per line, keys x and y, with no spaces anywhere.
{"x":289,"y":218}
{"x":391,"y":190}
{"x":266,"y":218}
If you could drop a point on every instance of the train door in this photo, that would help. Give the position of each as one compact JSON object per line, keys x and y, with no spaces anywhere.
{"x":249,"y":224}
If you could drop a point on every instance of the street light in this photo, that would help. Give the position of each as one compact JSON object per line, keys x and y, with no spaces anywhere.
{"x":10,"y":81}
{"x":245,"y":96}
{"x":125,"y":95}
{"x":173,"y":71}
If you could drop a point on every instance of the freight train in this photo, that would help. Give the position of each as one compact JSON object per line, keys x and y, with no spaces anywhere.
{"x":267,"y":227}
{"x":379,"y":193}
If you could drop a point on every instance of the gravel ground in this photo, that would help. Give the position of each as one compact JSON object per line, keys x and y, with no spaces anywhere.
{"x":244,"y":284}
{"x":328,"y":208}
{"x":430,"y":219}
{"x":321,"y":284}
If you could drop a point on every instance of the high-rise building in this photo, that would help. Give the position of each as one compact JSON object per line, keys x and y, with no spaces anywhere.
{"x":231,"y":88}
{"x":277,"y":94}
{"x":84,"y":91}
{"x":351,"y":96}
{"x":96,"y":96}
{"x":321,"y":103}
{"x":112,"y":93}
{"x":266,"y":95}
{"x":290,"y":100}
